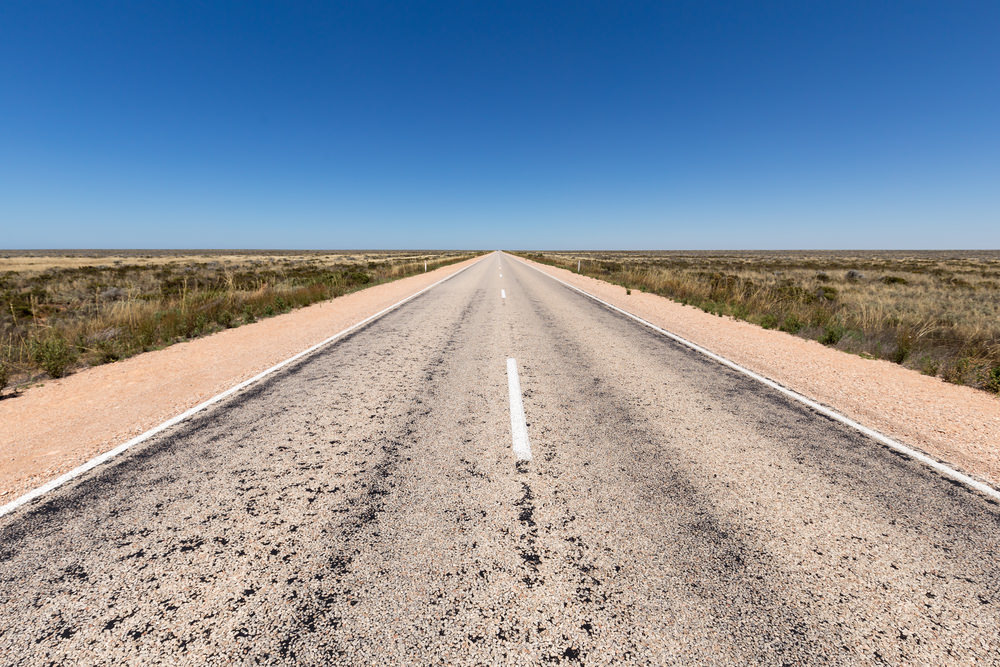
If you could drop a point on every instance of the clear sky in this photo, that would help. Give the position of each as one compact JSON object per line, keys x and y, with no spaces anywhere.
{"x":689,"y":124}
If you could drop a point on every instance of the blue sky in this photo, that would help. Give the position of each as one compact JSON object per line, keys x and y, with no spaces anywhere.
{"x":515,"y":125}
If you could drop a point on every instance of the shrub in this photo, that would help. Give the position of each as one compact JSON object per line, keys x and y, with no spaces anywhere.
{"x":992,"y":380}
{"x":768,"y":321}
{"x":832,"y":334}
{"x":4,"y":375}
{"x":826,"y":292}
{"x":791,"y":324}
{"x":52,"y":354}
{"x":359,"y":278}
{"x":956,"y":371}
{"x":894,"y":280}
{"x":107,"y":351}
{"x":904,"y":343}
{"x":929,"y":366}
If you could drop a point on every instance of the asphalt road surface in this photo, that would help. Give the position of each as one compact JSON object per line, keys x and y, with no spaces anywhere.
{"x":366,"y":505}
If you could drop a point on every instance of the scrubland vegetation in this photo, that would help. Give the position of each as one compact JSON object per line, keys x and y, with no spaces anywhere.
{"x":934,"y":311}
{"x":62,"y":312}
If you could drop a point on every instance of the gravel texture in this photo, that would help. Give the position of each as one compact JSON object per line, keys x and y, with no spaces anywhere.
{"x":363,"y":506}
{"x":51,"y":429}
{"x":955,"y":424}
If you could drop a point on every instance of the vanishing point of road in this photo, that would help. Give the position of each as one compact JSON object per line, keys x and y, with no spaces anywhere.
{"x":503,"y":471}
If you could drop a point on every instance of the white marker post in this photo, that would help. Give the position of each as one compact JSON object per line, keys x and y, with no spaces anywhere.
{"x":518,"y":425}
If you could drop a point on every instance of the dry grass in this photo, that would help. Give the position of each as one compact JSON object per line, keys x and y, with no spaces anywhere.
{"x":61,"y":311}
{"x":935,"y":311}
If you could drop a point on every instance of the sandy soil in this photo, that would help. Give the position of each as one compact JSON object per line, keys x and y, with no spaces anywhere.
{"x":50,"y":429}
{"x":955,"y":424}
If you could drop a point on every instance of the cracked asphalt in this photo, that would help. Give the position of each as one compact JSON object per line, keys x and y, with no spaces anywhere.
{"x":363,"y":506}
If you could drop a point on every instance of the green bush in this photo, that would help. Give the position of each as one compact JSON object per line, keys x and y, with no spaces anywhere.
{"x":929,"y":366}
{"x":768,"y":321}
{"x":826,"y":292}
{"x":904,"y":344}
{"x":52,"y":354}
{"x":108,"y":351}
{"x":992,"y":380}
{"x":359,"y":277}
{"x":4,"y":375}
{"x":832,"y":334}
{"x":791,"y":324}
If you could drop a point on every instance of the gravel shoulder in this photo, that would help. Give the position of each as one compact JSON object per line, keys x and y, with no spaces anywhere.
{"x":955,"y":424}
{"x":52,"y":428}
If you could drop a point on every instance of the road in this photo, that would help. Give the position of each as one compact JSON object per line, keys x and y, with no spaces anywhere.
{"x":365,"y":505}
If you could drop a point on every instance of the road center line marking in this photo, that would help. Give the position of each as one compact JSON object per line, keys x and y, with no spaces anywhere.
{"x":503,"y":294}
{"x":518,"y":426}
{"x":938,"y":466}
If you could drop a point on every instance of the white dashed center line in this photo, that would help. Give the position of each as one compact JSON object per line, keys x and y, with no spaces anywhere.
{"x":503,"y":294}
{"x":518,"y":426}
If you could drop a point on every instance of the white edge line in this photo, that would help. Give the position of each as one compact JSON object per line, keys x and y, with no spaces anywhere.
{"x":107,"y":456}
{"x":940,"y":467}
{"x":518,"y":424}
